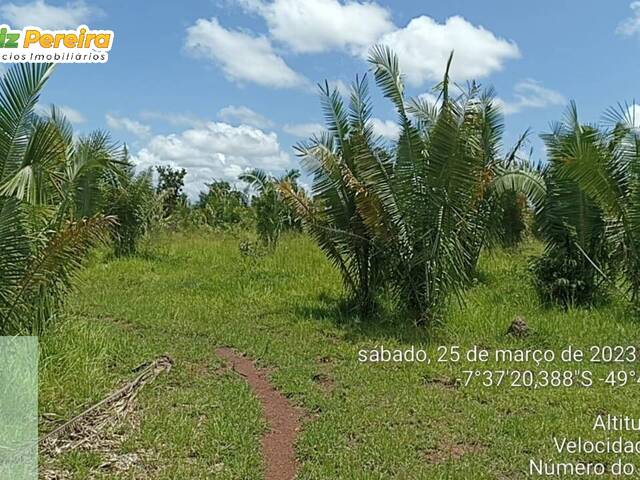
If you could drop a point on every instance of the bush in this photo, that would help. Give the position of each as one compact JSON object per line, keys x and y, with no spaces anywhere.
{"x":564,"y":276}
{"x":513,"y":209}
{"x":273,"y":215}
{"x":222,"y":206}
{"x":131,"y":201}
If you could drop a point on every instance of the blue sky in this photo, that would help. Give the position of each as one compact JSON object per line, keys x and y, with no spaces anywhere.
{"x":221,"y":86}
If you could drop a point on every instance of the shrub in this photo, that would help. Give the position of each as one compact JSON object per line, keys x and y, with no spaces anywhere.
{"x":130,"y":200}
{"x":273,"y":215}
{"x":223,"y":207}
{"x":564,"y":276}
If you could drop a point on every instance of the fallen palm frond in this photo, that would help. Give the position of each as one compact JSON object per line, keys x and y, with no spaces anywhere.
{"x":87,"y":427}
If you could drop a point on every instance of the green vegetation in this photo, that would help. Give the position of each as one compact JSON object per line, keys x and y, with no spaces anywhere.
{"x":415,"y":215}
{"x":170,"y":185}
{"x":364,"y":421}
{"x":273,"y":215}
{"x":421,"y":242}
{"x":222,"y":206}
{"x":130,"y":198}
{"x":48,"y":214}
{"x":590,"y":216}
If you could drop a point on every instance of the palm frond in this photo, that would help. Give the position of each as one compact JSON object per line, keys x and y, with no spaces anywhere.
{"x":20,"y":88}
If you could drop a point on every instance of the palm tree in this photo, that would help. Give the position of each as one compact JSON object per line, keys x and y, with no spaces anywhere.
{"x":441,"y":195}
{"x":346,"y":216}
{"x":272,"y":214}
{"x":43,"y":175}
{"x":414,"y":217}
{"x":133,"y":201}
{"x":599,"y":168}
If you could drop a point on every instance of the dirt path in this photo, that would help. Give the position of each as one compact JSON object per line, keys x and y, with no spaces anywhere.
{"x":284,"y":420}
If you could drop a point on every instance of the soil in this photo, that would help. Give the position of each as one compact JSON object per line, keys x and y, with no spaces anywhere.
{"x":519,"y":328}
{"x":324,"y":381}
{"x":445,"y":383}
{"x":284,"y":419}
{"x":447,"y":452}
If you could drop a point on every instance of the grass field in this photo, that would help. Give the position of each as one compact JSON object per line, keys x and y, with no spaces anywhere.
{"x":195,"y":292}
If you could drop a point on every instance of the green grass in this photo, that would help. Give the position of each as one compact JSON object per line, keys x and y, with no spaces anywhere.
{"x":197,"y":292}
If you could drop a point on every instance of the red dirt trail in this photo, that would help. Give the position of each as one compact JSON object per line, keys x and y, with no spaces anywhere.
{"x":284,"y":420}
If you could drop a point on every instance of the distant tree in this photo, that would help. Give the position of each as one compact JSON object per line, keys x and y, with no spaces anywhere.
{"x":222,"y":205}
{"x":131,"y":200}
{"x":273,"y":215}
{"x":170,"y":185}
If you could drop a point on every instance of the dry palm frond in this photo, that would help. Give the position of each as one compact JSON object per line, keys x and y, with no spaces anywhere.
{"x":86,"y":427}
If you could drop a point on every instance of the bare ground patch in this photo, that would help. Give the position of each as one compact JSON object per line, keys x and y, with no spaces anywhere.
{"x":446,"y":383}
{"x":452,"y":451}
{"x":284,"y":419}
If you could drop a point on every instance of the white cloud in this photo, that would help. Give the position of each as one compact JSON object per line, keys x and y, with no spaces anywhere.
{"x":244,"y":115}
{"x":303,"y":130}
{"x":633,"y":115}
{"x":216,"y":150}
{"x":531,"y":94}
{"x":385,"y":128}
{"x":132,"y":126}
{"x":242,"y":56}
{"x":631,"y":25}
{"x":73,"y":115}
{"x":174,"y":119}
{"x":343,"y":88}
{"x":40,"y":14}
{"x":311,"y":26}
{"x":429,"y":98}
{"x":424,"y":46}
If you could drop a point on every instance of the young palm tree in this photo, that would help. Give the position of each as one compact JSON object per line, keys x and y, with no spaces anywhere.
{"x":346,"y":216}
{"x":43,"y":238}
{"x":272,"y":213}
{"x":601,"y":167}
{"x":440,"y":196}
{"x":573,"y":226}
{"x":415,"y":216}
{"x":132,"y":200}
